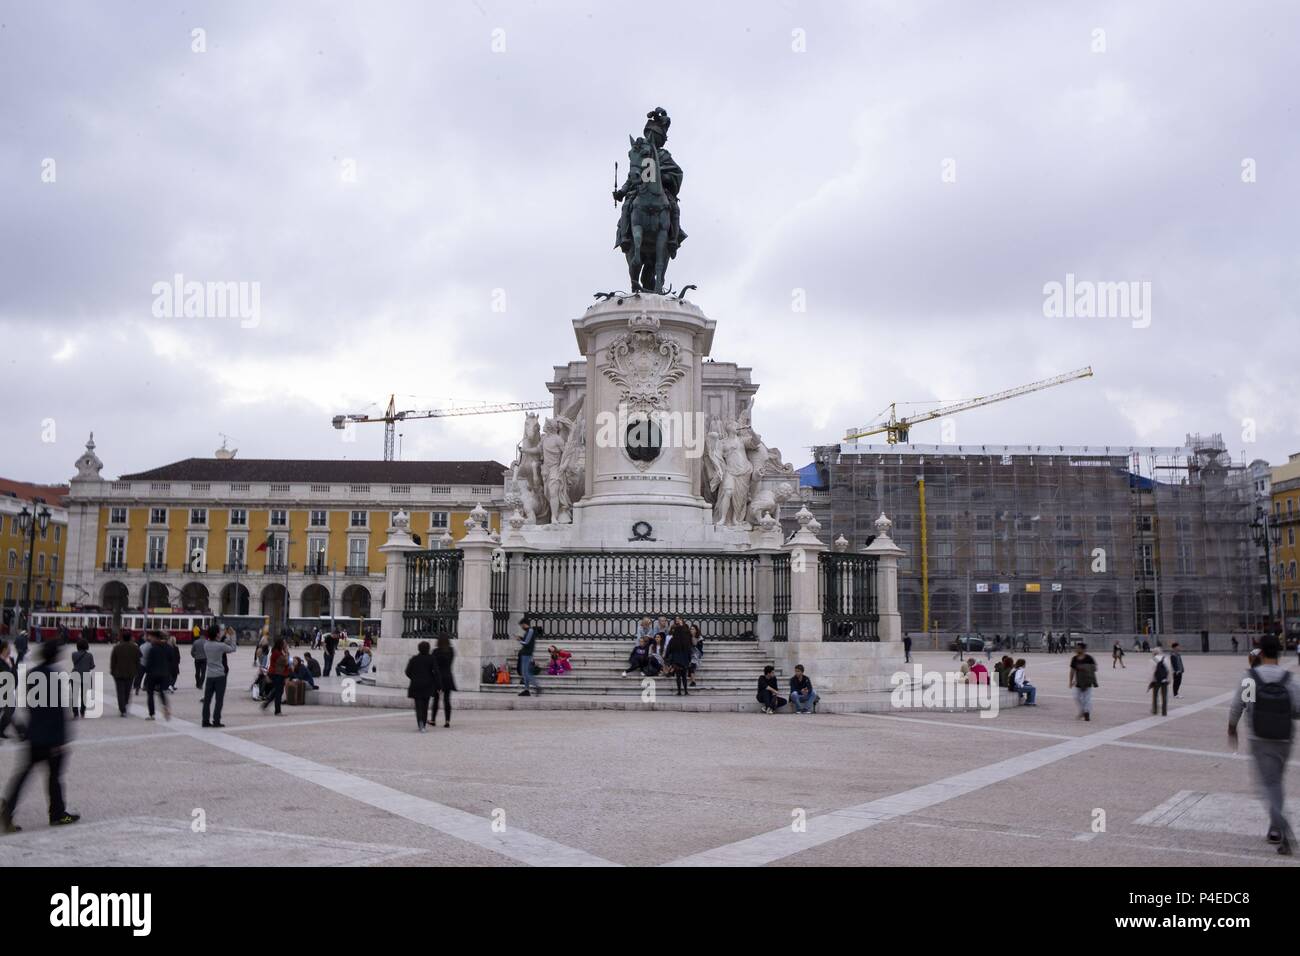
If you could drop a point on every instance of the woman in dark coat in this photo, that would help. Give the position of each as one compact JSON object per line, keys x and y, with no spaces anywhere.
{"x":680,"y":648}
{"x":423,"y":675}
{"x":443,"y":657}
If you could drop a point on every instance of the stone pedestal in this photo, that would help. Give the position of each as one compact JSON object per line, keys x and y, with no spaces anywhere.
{"x":393,"y":651}
{"x":886,"y":553}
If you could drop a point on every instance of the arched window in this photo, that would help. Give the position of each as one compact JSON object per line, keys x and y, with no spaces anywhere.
{"x":13,"y":559}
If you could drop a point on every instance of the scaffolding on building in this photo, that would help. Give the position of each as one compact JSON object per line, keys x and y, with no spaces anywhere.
{"x":1021,"y":539}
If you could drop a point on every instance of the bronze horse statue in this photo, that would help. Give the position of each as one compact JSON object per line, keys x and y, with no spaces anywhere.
{"x":648,"y":230}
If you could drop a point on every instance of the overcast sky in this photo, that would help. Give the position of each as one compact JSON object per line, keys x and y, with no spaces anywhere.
{"x":915,"y":172}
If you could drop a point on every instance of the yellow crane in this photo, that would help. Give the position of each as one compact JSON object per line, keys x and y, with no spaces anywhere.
{"x":897,"y":430}
{"x":391,"y":416}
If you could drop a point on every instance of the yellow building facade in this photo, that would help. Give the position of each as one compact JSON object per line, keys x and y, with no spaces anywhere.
{"x":294,"y":541}
{"x":1285,"y":493}
{"x":47,"y":550}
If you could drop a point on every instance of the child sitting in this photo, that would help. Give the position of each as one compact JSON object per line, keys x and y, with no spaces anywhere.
{"x":559,"y":661}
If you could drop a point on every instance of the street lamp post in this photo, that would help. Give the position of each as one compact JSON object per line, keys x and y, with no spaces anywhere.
{"x":1266,"y":533}
{"x":27,"y":523}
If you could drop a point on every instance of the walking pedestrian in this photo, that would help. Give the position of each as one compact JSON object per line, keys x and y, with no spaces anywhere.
{"x":158,"y":674}
{"x":199,"y":656}
{"x":216,"y":671}
{"x":124,"y":668}
{"x":1271,"y":701}
{"x":9,"y":676}
{"x":527,"y":644}
{"x":142,"y":656}
{"x":1083,"y":678}
{"x":83,"y":669}
{"x":1176,"y":665}
{"x":443,"y":655}
{"x":907,"y":648}
{"x":331,"y":645}
{"x":1159,"y":685}
{"x":20,"y":647}
{"x":422,"y":674}
{"x":278,"y":671}
{"x":1117,"y":657}
{"x":173,"y":661}
{"x":47,"y":736}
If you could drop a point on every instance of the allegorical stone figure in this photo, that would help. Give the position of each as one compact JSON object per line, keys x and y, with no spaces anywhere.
{"x":649,"y":227}
{"x":729,"y":473}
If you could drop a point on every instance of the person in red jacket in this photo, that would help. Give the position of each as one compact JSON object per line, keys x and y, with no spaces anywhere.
{"x":278,"y":672}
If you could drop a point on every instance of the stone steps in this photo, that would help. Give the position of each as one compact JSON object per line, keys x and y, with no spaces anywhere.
{"x":729,"y":668}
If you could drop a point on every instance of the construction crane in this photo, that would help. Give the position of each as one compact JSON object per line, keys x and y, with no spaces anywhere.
{"x":897,"y":429}
{"x":392,"y":416}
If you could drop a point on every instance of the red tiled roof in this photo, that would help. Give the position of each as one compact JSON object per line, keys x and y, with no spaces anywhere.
{"x":53,"y":494}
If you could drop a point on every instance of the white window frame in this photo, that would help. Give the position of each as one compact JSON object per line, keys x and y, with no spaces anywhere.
{"x":242,"y":540}
{"x":365,"y":519}
{"x":283,"y":514}
{"x":317,"y":545}
{"x":439,"y":525}
{"x":149,"y":552}
{"x":243,"y":512}
{"x":323,"y":523}
{"x":153,"y":522}
{"x":361,"y":545}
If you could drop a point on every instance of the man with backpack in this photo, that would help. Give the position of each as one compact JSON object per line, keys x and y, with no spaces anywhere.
{"x":1159,"y":685}
{"x":1271,"y":700}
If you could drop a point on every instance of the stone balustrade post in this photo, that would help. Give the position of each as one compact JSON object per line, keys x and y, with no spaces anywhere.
{"x":393,"y":651}
{"x":886,"y":553}
{"x":473,"y":643}
{"x":804,"y":548}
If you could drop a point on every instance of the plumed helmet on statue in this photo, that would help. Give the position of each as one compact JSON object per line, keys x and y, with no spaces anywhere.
{"x":656,"y":125}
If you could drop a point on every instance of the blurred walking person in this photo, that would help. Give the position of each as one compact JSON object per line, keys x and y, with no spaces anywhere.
{"x":1271,"y":701}
{"x":124,"y":668}
{"x":1159,"y":685}
{"x":278,"y":672}
{"x":331,"y":645}
{"x":443,"y":656}
{"x":422,"y":674}
{"x":47,"y":737}
{"x":9,"y":689}
{"x":83,"y":668}
{"x":1083,"y":678}
{"x":142,"y":655}
{"x":157,"y":674}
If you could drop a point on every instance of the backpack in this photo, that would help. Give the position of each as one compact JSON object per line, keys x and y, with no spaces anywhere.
{"x":1270,"y":718}
{"x":1162,"y":672}
{"x":489,"y":675}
